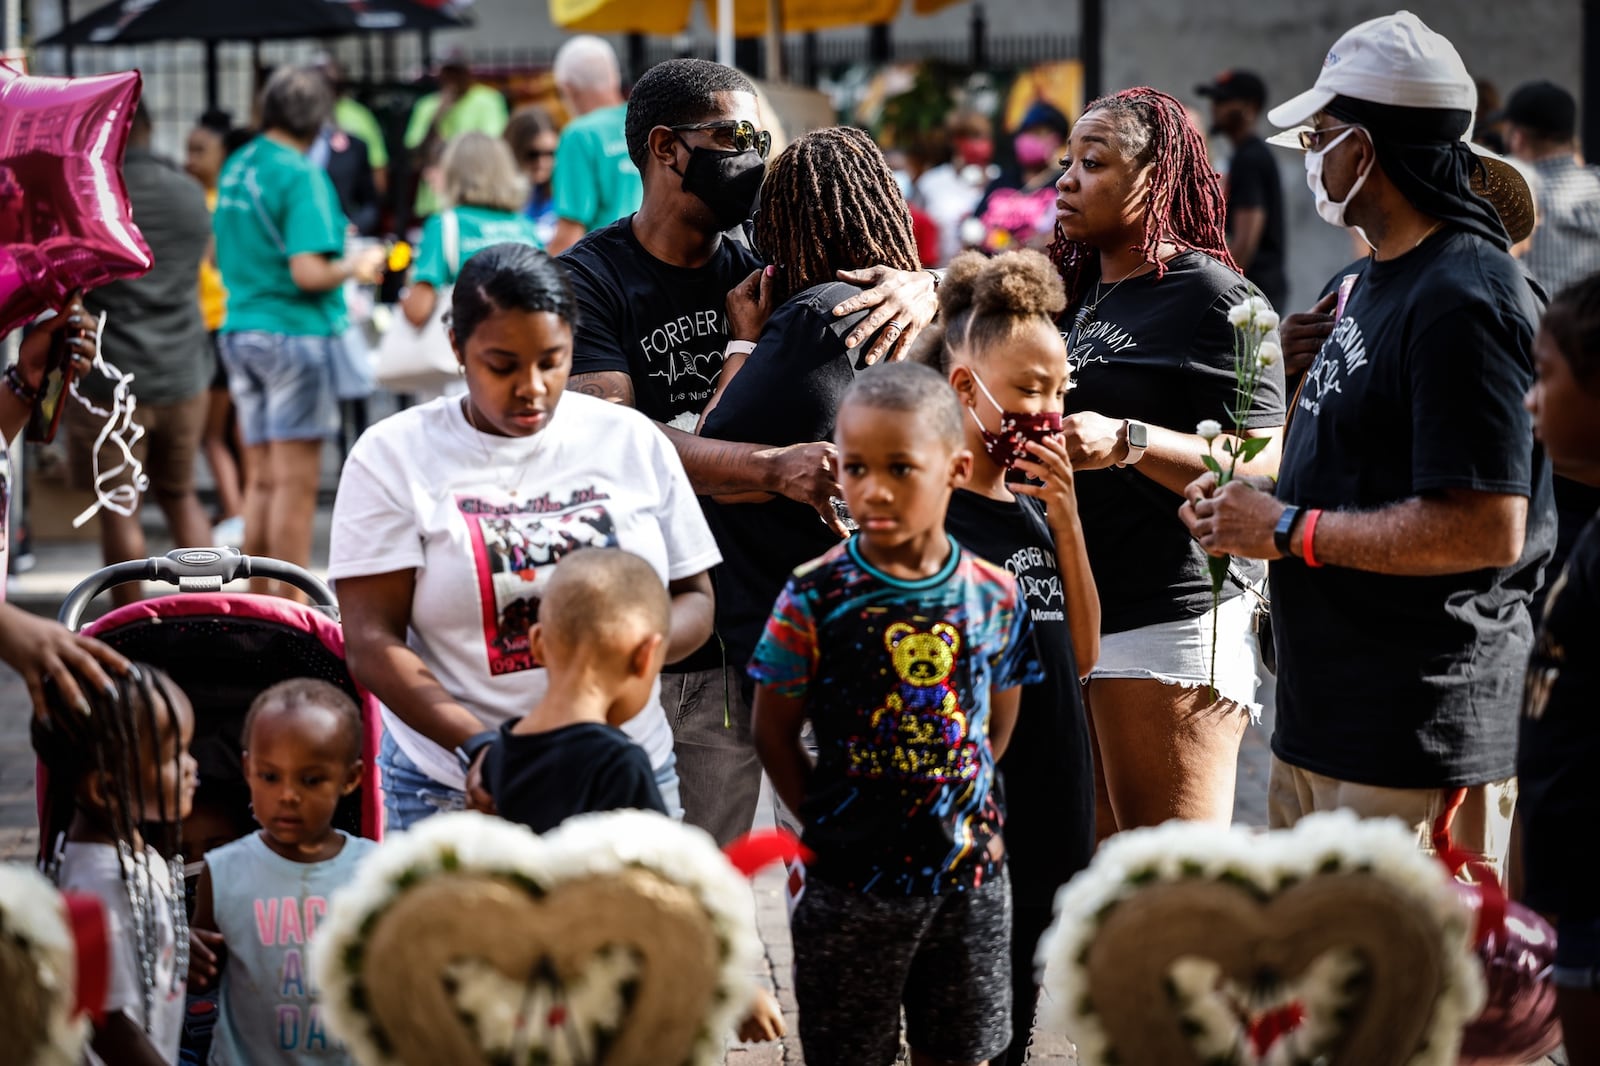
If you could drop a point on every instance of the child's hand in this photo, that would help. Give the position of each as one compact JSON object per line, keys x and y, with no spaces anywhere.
{"x":205,"y":957}
{"x":1048,"y":462}
{"x":478,"y":797}
{"x":765,"y":1020}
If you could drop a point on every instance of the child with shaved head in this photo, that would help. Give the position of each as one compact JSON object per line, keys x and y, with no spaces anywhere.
{"x":602,"y":638}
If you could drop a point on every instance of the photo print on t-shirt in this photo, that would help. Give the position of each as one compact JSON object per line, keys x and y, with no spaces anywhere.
{"x":516,"y":547}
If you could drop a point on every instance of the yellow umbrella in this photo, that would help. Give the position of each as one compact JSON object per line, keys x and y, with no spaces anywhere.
{"x":667,"y":17}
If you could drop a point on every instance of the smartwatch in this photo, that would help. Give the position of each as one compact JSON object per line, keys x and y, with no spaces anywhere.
{"x":1285,"y":527}
{"x":468,"y":750}
{"x":1138,"y":441}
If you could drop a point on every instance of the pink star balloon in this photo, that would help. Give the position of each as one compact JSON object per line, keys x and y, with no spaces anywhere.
{"x":64,"y":218}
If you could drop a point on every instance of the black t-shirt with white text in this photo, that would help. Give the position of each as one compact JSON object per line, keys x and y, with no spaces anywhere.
{"x":541,"y":779}
{"x":787,"y":392}
{"x":1559,"y":749}
{"x":1046,"y":776}
{"x":1253,"y":181}
{"x":1159,"y":351}
{"x":664,"y":326}
{"x":1413,"y":682}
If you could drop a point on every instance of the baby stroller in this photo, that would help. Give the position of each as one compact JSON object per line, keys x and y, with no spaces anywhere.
{"x":223,"y":649}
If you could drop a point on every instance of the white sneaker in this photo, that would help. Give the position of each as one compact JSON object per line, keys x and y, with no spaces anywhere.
{"x":228,"y":533}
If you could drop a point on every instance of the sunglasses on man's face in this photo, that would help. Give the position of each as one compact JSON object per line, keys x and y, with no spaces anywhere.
{"x":534,"y":155}
{"x":743,"y":132}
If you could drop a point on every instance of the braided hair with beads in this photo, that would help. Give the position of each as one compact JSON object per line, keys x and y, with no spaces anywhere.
{"x":1185,"y":205}
{"x":831,"y":203}
{"x":126,"y":726}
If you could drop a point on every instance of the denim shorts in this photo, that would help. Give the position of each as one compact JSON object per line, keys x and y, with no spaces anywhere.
{"x":409,"y":795}
{"x":1179,"y":653}
{"x":282,"y":385}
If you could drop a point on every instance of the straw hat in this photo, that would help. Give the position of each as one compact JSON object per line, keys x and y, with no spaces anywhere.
{"x":1505,"y":184}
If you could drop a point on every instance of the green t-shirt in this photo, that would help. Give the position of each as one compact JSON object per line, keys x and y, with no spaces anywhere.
{"x":480,"y":110}
{"x":477,"y":228}
{"x":352,"y":116}
{"x":274,"y":203}
{"x":595,"y":181}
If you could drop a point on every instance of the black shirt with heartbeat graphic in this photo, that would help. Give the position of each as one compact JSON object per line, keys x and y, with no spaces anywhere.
{"x":664,"y":326}
{"x":1413,"y":682}
{"x":1046,"y":777}
{"x":1159,"y":351}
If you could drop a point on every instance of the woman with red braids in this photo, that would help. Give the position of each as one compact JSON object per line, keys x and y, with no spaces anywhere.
{"x":1140,"y":245}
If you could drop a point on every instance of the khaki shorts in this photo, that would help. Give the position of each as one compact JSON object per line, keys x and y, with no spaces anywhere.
{"x":1481,"y":826}
{"x":168,"y":448}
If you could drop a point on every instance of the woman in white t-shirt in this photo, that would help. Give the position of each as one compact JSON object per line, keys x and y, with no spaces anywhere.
{"x":451,"y":516}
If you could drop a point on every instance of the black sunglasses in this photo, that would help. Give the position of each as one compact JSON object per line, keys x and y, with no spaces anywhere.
{"x":535,"y":154}
{"x":745,"y":134}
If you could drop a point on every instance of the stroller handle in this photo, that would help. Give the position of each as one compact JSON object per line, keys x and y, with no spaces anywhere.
{"x":194,"y":570}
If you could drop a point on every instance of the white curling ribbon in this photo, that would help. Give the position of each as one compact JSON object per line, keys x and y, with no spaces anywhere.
{"x":120,"y":429}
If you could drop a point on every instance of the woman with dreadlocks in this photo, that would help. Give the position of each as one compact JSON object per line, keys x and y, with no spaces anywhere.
{"x":120,"y":773}
{"x":1140,"y":246}
{"x":829,"y":203}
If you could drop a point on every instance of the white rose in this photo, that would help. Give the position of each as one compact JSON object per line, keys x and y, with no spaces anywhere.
{"x":1239,"y":314}
{"x":1270,"y":353}
{"x":1260,"y":305}
{"x":1266,"y":321}
{"x":1209,"y":430}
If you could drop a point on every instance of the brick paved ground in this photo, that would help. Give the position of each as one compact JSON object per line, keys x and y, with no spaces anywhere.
{"x":61,"y":566}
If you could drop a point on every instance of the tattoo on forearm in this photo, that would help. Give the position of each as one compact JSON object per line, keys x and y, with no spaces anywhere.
{"x":610,"y":385}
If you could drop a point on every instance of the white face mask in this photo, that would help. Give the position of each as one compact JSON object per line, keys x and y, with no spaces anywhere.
{"x":1330,"y":212}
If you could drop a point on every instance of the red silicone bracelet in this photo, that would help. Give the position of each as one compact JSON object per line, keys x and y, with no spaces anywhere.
{"x":1308,"y":535}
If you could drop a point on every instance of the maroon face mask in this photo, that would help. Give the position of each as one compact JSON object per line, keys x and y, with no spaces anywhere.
{"x":1016,"y":430}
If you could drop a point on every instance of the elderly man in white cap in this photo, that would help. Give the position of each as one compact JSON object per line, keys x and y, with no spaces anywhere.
{"x":595,"y":181}
{"x":1412,"y":513}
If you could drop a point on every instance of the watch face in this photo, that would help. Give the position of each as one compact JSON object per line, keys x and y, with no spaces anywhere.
{"x":1138,"y":435}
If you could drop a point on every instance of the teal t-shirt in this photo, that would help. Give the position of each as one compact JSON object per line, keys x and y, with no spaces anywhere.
{"x":274,"y":203}
{"x":478,"y":228}
{"x":595,"y":181}
{"x":481,"y":109}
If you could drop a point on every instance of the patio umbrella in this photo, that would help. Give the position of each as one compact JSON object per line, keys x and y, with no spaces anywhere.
{"x":667,"y":17}
{"x":143,"y":21}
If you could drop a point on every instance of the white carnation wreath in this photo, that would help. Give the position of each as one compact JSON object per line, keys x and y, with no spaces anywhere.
{"x":38,"y":972}
{"x":1299,"y":1017}
{"x":618,"y":865}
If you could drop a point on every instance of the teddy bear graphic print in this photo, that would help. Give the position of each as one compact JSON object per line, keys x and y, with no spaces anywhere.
{"x":516,"y":547}
{"x":896,"y":678}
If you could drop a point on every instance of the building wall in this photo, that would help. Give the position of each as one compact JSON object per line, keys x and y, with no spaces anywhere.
{"x":1174,"y":46}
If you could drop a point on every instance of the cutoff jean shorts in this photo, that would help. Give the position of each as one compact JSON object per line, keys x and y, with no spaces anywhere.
{"x":282,"y":385}
{"x":1179,"y":653}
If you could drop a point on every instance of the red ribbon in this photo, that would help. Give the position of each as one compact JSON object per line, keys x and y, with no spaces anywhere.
{"x":1274,"y":1025}
{"x":1485,"y":885}
{"x":763,"y":847}
{"x":86,"y":917}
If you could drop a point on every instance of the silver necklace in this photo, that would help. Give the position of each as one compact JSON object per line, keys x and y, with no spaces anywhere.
{"x":1086,"y":314}
{"x":510,"y":488}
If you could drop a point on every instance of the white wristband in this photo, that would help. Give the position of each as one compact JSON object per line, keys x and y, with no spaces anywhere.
{"x":739,"y":348}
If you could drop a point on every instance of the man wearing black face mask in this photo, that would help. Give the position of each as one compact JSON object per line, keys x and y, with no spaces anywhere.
{"x":1255,"y":195}
{"x":658,"y":313}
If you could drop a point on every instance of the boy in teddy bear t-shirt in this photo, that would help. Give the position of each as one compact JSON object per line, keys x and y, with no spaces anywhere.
{"x":906,"y":653}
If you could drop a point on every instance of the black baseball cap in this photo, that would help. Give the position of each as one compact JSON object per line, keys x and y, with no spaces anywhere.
{"x":1541,"y":106}
{"x":1235,"y":85}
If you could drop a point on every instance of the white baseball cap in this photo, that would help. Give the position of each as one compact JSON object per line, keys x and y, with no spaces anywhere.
{"x":1395,"y":60}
